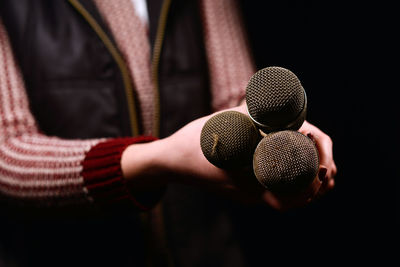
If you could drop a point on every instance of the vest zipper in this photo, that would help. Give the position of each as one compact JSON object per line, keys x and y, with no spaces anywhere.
{"x":133,"y":119}
{"x":156,"y":213}
{"x":162,"y":22}
{"x":156,"y":229}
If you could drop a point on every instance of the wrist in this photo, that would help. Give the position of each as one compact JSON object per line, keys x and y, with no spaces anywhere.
{"x":142,"y":165}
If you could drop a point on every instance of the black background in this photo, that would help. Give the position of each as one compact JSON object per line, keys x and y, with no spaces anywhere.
{"x":332,"y":46}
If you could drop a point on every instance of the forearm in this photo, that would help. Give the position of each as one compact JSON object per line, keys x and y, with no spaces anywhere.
{"x":174,"y":159}
{"x":37,"y":169}
{"x":47,"y":171}
{"x":142,"y":165}
{"x":44,"y":170}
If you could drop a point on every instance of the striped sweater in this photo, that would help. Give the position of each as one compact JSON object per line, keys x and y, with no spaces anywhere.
{"x":47,"y":170}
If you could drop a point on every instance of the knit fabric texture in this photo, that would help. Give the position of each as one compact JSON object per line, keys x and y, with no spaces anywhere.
{"x":34,"y":167}
{"x":228,"y":55}
{"x":48,"y":170}
{"x":102,"y":171}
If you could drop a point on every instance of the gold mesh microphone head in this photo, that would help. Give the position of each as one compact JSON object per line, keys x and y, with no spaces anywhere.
{"x":285,"y":161}
{"x":276,"y":99}
{"x":228,"y":140}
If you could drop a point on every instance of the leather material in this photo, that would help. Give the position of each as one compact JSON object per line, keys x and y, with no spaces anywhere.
{"x":76,"y":91}
{"x":68,"y":71}
{"x":183,"y":75}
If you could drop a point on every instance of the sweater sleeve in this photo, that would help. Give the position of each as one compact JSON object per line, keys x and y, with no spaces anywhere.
{"x":44,"y":170}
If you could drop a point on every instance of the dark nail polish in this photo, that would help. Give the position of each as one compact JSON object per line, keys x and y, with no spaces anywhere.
{"x":322,"y":174}
{"x":311,"y":136}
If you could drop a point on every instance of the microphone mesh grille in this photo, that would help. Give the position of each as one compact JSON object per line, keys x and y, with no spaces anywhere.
{"x":228,"y":140}
{"x":285,"y":161}
{"x":274,"y":96}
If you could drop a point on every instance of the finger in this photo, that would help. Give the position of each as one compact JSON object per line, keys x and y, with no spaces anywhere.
{"x":331,"y":183}
{"x":333,"y":170}
{"x":286,"y":201}
{"x":271,"y":200}
{"x":324,"y":146}
{"x":325,"y":150}
{"x":283,"y":203}
{"x":313,"y":190}
{"x":322,"y":173}
{"x":328,"y":183}
{"x":326,"y":187}
{"x":305,"y":128}
{"x":315,"y":186}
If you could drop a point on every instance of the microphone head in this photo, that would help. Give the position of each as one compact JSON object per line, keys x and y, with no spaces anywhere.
{"x":228,"y":140}
{"x":285,"y":161}
{"x":276,"y":99}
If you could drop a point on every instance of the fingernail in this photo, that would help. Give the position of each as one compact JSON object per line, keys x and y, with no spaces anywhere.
{"x":322,"y":174}
{"x":311,"y":136}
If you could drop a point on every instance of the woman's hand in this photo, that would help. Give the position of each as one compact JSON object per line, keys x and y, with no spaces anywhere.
{"x":322,"y":183}
{"x":179,"y":159}
{"x":327,"y":166}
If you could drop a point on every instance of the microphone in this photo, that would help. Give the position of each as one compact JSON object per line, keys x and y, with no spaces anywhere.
{"x":228,"y":140}
{"x":276,"y":100}
{"x":285,"y":161}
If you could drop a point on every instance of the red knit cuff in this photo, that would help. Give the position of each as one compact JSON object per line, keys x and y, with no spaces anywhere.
{"x":102,"y":171}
